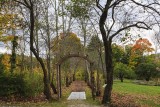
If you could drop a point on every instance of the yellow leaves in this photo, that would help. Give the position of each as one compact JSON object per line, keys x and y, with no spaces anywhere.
{"x":6,"y":21}
{"x":65,"y":43}
{"x":5,"y":39}
{"x":6,"y":61}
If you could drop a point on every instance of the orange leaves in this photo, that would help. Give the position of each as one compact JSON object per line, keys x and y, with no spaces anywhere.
{"x":141,"y":46}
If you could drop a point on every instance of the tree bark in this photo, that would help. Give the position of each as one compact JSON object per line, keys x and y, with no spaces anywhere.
{"x":74,"y":78}
{"x":98,"y":85}
{"x":121,"y":75}
{"x":13,"y":56}
{"x":109,"y":69}
{"x":53,"y":87}
{"x":108,"y":54}
{"x":52,"y":84}
{"x":47,"y":91}
{"x":67,"y":81}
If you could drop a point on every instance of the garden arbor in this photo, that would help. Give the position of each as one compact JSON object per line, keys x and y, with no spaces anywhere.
{"x":58,"y":65}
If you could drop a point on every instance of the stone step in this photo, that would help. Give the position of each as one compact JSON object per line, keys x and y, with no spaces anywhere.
{"x":77,"y":96}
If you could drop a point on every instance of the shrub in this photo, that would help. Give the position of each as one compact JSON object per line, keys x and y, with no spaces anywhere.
{"x":33,"y":84}
{"x":1,"y":65}
{"x":123,"y":71}
{"x":11,"y":84}
{"x":146,"y":71}
{"x":21,"y":85}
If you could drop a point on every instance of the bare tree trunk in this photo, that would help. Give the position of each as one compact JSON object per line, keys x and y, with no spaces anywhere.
{"x":22,"y":53}
{"x":67,"y":81}
{"x":52,"y":84}
{"x":22,"y":62}
{"x":108,"y":55}
{"x":48,"y":45}
{"x":13,"y":56}
{"x":109,"y":69}
{"x":87,"y":74}
{"x":53,"y":87}
{"x":31,"y":62}
{"x":98,"y":84}
{"x":47,"y":91}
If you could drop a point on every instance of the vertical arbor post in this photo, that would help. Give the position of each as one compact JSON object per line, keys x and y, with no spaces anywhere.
{"x":92,"y":81}
{"x":60,"y":86}
{"x":59,"y":81}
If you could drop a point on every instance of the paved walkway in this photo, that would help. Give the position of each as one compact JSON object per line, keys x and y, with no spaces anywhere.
{"x":77,"y":91}
{"x":77,"y":96}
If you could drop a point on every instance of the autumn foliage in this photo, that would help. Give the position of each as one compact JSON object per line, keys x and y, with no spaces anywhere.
{"x":141,"y":47}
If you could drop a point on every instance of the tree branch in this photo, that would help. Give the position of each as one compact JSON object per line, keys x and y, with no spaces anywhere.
{"x":113,"y":21}
{"x":103,"y":20}
{"x":133,"y":25}
{"x":21,"y":3}
{"x":147,"y":6}
{"x":27,"y":3}
{"x":98,"y":5}
{"x":116,"y":3}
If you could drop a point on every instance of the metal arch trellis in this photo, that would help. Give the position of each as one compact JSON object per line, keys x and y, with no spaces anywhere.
{"x":58,"y":67}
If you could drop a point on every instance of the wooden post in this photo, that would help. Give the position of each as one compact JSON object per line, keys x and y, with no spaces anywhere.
{"x":58,"y":82}
{"x":92,"y":81}
{"x":60,"y":86}
{"x":59,"y":89}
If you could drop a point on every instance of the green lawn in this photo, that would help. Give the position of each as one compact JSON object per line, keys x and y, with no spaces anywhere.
{"x":131,"y":88}
{"x":143,"y":94}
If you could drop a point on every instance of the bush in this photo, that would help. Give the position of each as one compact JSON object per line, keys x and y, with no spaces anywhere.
{"x":33,"y":84}
{"x":11,"y":85}
{"x":20,"y":85}
{"x":146,"y":71}
{"x":1,"y":65}
{"x":123,"y":71}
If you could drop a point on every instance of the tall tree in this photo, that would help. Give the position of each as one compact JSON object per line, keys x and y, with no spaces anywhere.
{"x":141,"y":47}
{"x":9,"y":23}
{"x":117,"y":16}
{"x":30,"y":5}
{"x":95,"y":52}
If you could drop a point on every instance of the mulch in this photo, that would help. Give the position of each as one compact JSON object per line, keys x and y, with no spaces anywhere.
{"x":78,"y":86}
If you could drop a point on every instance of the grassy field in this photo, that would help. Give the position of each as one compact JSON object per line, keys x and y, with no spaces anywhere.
{"x":143,"y":95}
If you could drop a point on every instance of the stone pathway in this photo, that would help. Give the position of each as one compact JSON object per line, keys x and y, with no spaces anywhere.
{"x":77,"y":96}
{"x":78,"y":91}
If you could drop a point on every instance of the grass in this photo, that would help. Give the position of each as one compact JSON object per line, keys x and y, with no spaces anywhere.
{"x":130,"y":88}
{"x":143,"y":94}
{"x":89,"y":98}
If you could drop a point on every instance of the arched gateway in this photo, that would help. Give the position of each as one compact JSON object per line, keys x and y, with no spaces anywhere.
{"x":58,"y":65}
